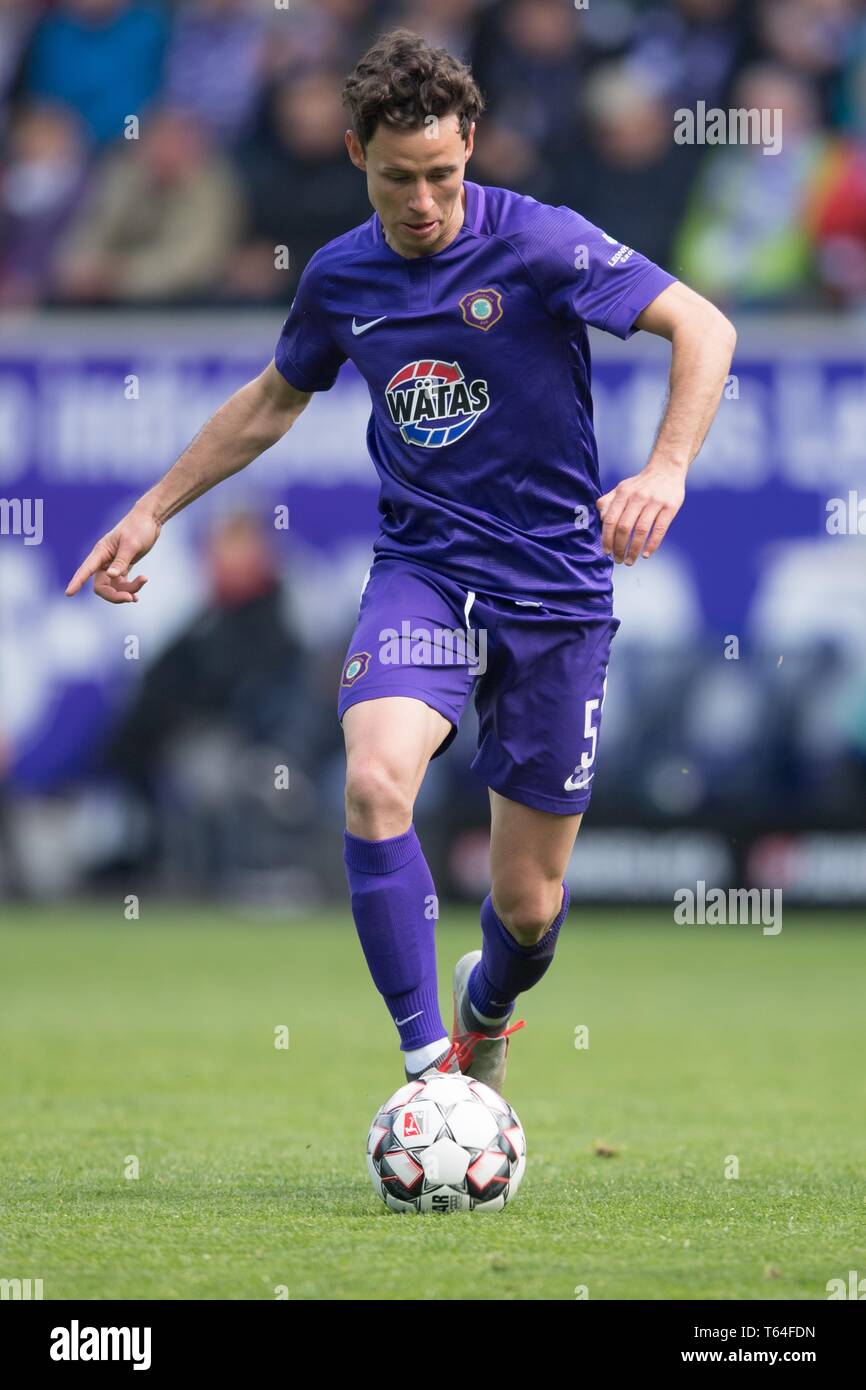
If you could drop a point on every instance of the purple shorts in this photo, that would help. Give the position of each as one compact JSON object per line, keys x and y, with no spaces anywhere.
{"x":539,"y":677}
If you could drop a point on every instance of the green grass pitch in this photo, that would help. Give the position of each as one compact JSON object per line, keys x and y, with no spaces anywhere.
{"x":155,"y":1039}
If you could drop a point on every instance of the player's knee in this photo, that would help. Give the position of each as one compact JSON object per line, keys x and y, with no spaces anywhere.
{"x":529,"y":909}
{"x":378,"y":801}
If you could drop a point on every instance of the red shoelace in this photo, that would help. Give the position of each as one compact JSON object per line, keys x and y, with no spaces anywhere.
{"x":464,"y":1046}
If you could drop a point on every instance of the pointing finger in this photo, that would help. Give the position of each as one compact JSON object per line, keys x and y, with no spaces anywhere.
{"x":95,"y":561}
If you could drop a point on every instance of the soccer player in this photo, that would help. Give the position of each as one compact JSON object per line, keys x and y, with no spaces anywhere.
{"x":465,"y":309}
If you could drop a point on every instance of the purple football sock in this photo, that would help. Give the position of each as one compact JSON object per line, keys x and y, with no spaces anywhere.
{"x":393,"y":904}
{"x":506,"y":968}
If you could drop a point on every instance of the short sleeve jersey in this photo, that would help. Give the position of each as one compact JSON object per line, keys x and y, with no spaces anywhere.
{"x":478,"y":366}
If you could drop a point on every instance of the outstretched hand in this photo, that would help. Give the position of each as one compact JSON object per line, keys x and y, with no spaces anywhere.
{"x":111,"y":559}
{"x":636,"y":514}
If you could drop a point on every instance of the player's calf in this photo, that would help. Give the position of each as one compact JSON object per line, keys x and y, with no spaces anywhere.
{"x":487,"y":983}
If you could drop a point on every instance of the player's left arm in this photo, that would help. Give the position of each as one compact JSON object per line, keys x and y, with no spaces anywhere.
{"x":636,"y":514}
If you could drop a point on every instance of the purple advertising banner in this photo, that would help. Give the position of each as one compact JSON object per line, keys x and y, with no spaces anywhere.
{"x":771,"y":541}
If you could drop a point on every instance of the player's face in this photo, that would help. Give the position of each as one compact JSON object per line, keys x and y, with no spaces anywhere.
{"x":415,"y":182}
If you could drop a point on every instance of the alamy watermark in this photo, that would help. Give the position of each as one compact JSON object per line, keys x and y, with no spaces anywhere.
{"x":737,"y":126}
{"x":717,"y":907}
{"x":22,"y":1290}
{"x":22,"y":516}
{"x":855,"y":1288}
{"x":77,"y":1343}
{"x":846,"y":516}
{"x":437,"y":646}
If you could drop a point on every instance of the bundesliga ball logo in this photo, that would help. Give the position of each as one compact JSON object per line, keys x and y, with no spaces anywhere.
{"x":433,"y":404}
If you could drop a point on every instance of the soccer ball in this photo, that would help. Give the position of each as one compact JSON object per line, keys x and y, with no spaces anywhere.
{"x":446,"y":1144}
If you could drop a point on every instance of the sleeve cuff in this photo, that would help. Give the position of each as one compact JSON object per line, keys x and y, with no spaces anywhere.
{"x":295,"y":377}
{"x":620,"y":320}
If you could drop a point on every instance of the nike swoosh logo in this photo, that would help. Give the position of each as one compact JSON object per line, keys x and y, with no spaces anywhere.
{"x":577,"y":783}
{"x":398,"y":1021}
{"x":359,"y":328}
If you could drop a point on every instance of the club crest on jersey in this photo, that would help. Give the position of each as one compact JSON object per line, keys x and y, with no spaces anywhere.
{"x":433,"y":403}
{"x":482,"y":308}
{"x":355,"y":667}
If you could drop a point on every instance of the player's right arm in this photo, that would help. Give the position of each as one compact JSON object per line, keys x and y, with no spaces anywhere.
{"x":249,"y":422}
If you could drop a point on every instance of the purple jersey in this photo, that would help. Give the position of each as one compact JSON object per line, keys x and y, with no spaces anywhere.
{"x":478,"y":365}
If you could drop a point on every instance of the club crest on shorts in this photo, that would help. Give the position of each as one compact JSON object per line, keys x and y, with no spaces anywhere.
{"x":482,"y":308}
{"x":356,"y":666}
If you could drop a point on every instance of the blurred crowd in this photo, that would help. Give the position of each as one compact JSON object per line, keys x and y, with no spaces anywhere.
{"x":191,"y":151}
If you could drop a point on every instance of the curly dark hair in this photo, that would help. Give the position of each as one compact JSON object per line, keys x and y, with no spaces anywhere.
{"x":401,"y":81}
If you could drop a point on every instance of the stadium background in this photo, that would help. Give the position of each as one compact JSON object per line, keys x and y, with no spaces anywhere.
{"x":142,"y":279}
{"x":165,"y":908}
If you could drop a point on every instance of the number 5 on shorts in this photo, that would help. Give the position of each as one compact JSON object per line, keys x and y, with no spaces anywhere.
{"x":582,"y":775}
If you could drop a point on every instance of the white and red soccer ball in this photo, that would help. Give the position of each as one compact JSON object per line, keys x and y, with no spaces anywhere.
{"x":446,"y":1144}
